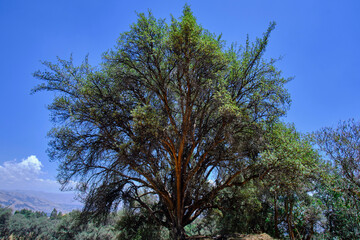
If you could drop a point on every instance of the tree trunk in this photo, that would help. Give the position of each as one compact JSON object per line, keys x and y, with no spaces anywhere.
{"x":178,"y":233}
{"x":276,"y":217}
{"x":311,"y":232}
{"x":288,"y":210}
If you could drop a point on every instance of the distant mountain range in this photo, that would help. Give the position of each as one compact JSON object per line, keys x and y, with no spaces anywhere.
{"x":39,"y":201}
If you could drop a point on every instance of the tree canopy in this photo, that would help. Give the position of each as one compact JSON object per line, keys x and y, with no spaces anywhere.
{"x":171,"y":112}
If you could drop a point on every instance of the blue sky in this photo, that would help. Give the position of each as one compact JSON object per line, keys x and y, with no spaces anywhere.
{"x":317,"y":39}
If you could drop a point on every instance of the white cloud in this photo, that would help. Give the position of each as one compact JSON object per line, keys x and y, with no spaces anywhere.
{"x":32,"y":164}
{"x":27,"y":168}
{"x":25,"y":175}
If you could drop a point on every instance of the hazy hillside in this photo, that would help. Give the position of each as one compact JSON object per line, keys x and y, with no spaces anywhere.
{"x":39,"y":201}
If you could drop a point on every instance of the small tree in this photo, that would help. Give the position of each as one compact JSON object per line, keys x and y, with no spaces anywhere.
{"x":297,"y":167}
{"x":280,"y":201}
{"x":341,"y":193}
{"x":53,"y":214}
{"x":342,"y":146}
{"x":171,"y":112}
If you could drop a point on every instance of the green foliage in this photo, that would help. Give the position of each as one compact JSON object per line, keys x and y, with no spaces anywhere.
{"x":93,"y":232}
{"x":280,"y":202}
{"x":27,"y":224}
{"x":342,"y":147}
{"x":69,"y":226}
{"x":55,"y":214}
{"x":206,"y":225}
{"x":138,"y":225}
{"x":341,"y":217}
{"x":5,"y":214}
{"x":339,"y":192}
{"x":297,"y":169}
{"x":245,"y":210}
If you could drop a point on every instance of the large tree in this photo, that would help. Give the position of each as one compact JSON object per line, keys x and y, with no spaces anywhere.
{"x":171,"y":112}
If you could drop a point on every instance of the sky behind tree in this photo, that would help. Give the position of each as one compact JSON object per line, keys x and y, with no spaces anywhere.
{"x":318,"y":41}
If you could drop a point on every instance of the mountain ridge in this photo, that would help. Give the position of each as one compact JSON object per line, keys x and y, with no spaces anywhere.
{"x":39,"y":201}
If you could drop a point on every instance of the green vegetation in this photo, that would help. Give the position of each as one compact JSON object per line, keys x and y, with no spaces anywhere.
{"x":26,"y":224}
{"x":186,"y":133}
